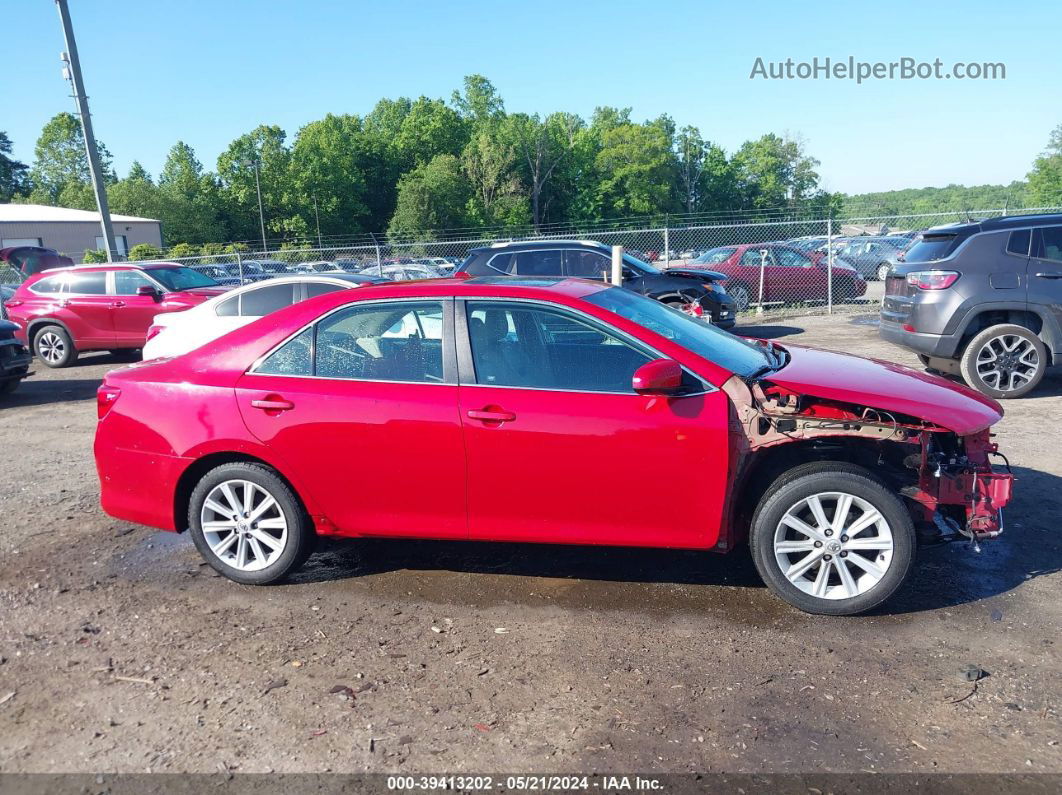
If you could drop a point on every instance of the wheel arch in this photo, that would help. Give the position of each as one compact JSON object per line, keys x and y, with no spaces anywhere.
{"x":1035,"y":318}
{"x":34,"y":327}
{"x":195,"y":471}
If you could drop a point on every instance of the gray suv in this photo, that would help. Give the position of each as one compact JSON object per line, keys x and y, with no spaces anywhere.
{"x":982,"y":301}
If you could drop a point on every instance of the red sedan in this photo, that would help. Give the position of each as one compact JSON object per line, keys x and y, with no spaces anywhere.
{"x":530,"y":410}
{"x":779,"y":274}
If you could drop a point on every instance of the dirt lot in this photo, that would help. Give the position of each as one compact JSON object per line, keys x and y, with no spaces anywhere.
{"x":120,"y":651}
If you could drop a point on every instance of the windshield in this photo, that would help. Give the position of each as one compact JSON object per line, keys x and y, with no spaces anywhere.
{"x":739,"y":356}
{"x":178,"y":278}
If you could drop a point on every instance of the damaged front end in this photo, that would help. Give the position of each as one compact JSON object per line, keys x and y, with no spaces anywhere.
{"x":947,"y":477}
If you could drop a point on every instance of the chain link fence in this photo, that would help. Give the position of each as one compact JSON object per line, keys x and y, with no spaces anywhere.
{"x":778,"y":268}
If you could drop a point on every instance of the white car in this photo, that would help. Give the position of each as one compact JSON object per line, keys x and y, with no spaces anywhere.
{"x":176,"y":333}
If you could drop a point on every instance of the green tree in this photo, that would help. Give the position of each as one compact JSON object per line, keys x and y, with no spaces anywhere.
{"x":190,"y":206}
{"x":431,"y":197}
{"x":264,"y":145}
{"x":430,"y":128}
{"x":14,"y":179}
{"x":542,"y":146}
{"x":136,"y":195}
{"x":329,"y":160}
{"x":705,"y":179}
{"x":60,"y":160}
{"x":498,"y":198}
{"x":774,"y":172}
{"x":181,"y":250}
{"x":92,"y":255}
{"x":1045,"y":179}
{"x":637,"y":170}
{"x":480,"y":102}
{"x":144,"y":251}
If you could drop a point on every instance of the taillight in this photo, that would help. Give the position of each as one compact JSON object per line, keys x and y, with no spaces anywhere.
{"x":105,"y":398}
{"x":154,"y":331}
{"x":932,"y":280}
{"x":13,"y":302}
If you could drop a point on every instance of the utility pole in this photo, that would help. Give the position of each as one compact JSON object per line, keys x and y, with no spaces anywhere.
{"x":72,"y":72}
{"x":317,"y":217}
{"x":261,"y":214}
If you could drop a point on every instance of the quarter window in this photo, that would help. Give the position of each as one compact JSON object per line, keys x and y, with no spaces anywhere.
{"x":53,"y":284}
{"x":519,"y":346}
{"x":230,"y":307}
{"x":1019,"y":242}
{"x":295,"y":357}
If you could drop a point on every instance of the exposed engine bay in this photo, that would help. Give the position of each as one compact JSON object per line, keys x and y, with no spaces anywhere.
{"x":948,"y":480}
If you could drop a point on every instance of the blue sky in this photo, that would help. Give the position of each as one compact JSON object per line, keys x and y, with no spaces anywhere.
{"x":205,"y":72}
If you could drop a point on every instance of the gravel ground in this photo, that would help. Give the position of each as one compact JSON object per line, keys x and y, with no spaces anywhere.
{"x":120,"y":651}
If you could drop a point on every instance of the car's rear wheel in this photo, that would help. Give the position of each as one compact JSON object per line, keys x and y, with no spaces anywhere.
{"x":1004,"y":361}
{"x":248,"y":524}
{"x":830,"y":538}
{"x":741,"y":295}
{"x":53,"y":346}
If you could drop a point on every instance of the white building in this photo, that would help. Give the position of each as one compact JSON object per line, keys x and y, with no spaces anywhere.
{"x":71,"y":232}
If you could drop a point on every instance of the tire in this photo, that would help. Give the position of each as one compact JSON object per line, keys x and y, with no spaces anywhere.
{"x":9,"y":386}
{"x":741,"y":295}
{"x":889,"y":541}
{"x":53,"y":346}
{"x":242,"y":554}
{"x":1018,"y":354}
{"x":883,"y":271}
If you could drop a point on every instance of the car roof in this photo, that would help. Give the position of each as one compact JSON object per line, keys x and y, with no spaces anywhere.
{"x":538,"y":244}
{"x":997,"y":224}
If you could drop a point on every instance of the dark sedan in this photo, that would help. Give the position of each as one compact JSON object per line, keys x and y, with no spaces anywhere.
{"x":696,"y":292}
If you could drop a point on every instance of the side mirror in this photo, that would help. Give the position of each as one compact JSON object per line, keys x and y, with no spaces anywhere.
{"x":147,"y":291}
{"x":658,"y":377}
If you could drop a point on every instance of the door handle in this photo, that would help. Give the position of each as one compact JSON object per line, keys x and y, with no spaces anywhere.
{"x":492,"y":415}
{"x":118,"y":303}
{"x":273,"y":404}
{"x":1050,"y":275}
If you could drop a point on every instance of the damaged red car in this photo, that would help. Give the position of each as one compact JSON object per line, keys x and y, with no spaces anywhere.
{"x":559,"y":411}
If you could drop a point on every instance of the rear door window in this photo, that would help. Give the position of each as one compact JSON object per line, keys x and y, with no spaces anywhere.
{"x":539,"y":263}
{"x":257,"y":303}
{"x":94,"y":283}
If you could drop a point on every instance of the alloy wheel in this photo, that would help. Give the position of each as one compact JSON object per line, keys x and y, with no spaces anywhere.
{"x":741,"y":297}
{"x":833,"y":545}
{"x":51,"y":347}
{"x":1007,"y":362}
{"x":244,"y":525}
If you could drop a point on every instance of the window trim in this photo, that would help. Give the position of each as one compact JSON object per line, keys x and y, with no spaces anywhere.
{"x":516,"y":250}
{"x":448,"y":353}
{"x":466,"y":371}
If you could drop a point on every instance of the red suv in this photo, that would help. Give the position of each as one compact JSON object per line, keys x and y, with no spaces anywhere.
{"x":62,"y":312}
{"x":783,"y":273}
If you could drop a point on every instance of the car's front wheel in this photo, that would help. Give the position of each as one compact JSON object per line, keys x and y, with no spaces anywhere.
{"x":248,"y":524}
{"x":1004,"y":361}
{"x":831,"y":538}
{"x":883,"y":271}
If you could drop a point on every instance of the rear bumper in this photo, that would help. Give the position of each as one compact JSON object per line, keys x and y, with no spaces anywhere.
{"x":137,"y":486}
{"x":939,"y":345}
